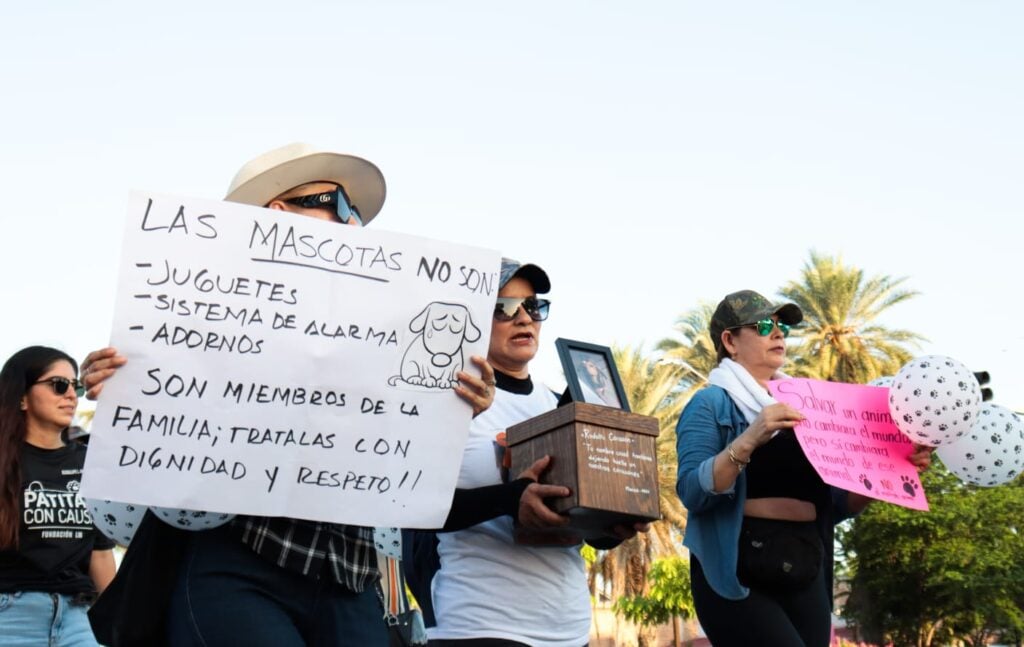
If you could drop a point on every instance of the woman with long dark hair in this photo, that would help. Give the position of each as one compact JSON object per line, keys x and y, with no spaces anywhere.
{"x":53,"y":561}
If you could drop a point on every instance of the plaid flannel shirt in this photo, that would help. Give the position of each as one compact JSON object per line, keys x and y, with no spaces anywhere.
{"x":314,"y":548}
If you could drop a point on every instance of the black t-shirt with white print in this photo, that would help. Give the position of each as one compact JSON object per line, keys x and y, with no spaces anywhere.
{"x":57,"y":535}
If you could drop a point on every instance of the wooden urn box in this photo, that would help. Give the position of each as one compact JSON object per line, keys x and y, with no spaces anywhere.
{"x":606,"y":457}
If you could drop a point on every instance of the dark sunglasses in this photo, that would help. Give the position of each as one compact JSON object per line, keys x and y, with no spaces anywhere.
{"x":337,"y":198}
{"x":507,"y":308}
{"x":764,"y":327}
{"x":60,"y":385}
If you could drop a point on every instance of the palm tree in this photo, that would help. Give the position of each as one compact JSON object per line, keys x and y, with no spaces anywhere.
{"x":695,"y":353}
{"x":652,"y":389}
{"x":839,"y":340}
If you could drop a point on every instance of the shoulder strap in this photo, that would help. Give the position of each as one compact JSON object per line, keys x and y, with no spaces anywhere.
{"x":392,"y":586}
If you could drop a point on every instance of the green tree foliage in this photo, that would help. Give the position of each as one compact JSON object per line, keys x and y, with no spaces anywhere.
{"x":839,"y":339}
{"x":668,"y":596}
{"x":956,"y":572}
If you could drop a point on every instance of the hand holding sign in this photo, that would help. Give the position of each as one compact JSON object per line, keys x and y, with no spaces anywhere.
{"x":477,"y":391}
{"x":767,"y":423}
{"x":97,"y":367}
{"x":921,"y":457}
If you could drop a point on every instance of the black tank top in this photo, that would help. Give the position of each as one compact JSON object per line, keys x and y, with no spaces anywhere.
{"x":779,"y":468}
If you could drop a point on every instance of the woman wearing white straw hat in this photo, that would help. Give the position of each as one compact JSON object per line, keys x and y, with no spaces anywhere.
{"x":259,"y":580}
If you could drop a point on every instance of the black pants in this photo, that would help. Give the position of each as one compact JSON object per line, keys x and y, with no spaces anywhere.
{"x":799,"y":619}
{"x":226,"y":594}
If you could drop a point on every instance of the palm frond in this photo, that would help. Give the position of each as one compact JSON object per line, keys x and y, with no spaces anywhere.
{"x":839,"y":339}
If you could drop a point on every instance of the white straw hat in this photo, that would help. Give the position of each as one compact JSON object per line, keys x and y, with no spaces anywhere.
{"x":264,"y":178}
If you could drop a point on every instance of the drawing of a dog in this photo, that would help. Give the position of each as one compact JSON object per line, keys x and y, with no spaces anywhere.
{"x":435,"y":354}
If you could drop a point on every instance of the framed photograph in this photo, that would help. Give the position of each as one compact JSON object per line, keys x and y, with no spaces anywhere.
{"x":590,"y":374}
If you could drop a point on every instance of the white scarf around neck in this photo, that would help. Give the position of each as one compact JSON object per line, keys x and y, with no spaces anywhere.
{"x":741,"y":386}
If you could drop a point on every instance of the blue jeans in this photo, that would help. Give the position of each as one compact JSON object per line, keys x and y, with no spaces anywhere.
{"x":228,"y":595}
{"x":36,"y":619}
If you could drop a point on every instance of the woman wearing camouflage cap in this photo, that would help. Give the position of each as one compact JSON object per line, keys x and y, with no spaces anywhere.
{"x":760,"y":517}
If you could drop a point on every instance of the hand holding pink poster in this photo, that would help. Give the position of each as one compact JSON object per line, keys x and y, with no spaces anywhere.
{"x":851,"y":440}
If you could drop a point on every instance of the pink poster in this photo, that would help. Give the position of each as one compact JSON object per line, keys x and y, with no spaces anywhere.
{"x":851,"y":440}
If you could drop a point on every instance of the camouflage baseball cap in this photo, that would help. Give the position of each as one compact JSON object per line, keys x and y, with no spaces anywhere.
{"x":537,"y":277}
{"x":747,"y":307}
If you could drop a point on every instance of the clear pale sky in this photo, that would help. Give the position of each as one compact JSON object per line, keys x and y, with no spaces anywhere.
{"x":649,"y":155}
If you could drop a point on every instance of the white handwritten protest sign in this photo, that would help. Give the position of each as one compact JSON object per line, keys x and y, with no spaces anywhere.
{"x":284,"y":366}
{"x":851,"y":441}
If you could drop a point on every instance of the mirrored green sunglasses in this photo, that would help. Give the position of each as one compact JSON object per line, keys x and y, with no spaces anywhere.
{"x":764,"y":327}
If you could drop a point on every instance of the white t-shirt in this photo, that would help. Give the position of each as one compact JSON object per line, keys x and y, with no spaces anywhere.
{"x":490,"y":587}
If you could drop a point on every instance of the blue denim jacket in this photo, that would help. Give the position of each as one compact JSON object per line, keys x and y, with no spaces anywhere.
{"x":709,"y":422}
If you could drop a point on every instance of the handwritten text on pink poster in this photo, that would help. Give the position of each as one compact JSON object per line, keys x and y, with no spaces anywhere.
{"x":851,"y":440}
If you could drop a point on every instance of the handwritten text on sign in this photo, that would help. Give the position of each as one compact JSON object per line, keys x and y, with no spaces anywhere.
{"x":851,"y":440}
{"x":285,"y":366}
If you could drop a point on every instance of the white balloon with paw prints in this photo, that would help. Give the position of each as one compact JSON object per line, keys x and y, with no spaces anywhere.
{"x":192,"y":519}
{"x":934,"y":400}
{"x":118,"y":521}
{"x":992,"y":452}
